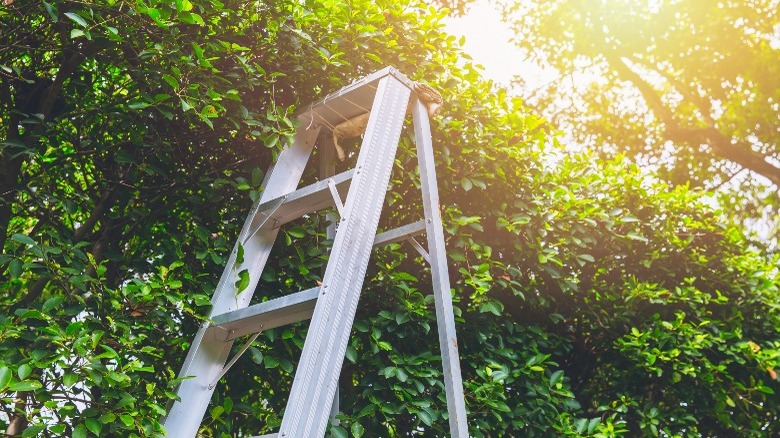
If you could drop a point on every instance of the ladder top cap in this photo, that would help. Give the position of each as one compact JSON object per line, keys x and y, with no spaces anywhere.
{"x":348,"y":102}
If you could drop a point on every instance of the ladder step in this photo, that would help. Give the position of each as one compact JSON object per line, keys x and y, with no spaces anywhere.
{"x":348,"y":102}
{"x":305,"y":200}
{"x":291,"y":308}
{"x":270,"y":314}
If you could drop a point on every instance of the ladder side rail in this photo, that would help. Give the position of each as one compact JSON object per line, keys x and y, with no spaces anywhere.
{"x":327,"y":169}
{"x":445,"y":318}
{"x":316,"y":377}
{"x":208,"y":352}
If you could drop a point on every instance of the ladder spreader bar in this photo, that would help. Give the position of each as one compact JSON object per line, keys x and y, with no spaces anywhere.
{"x":400,"y":234}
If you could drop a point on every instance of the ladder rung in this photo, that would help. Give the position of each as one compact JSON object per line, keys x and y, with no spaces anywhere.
{"x":270,"y":314}
{"x":401,"y":233}
{"x":302,"y":201}
{"x":294,"y":307}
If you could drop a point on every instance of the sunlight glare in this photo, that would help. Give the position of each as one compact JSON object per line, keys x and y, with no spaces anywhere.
{"x":488,"y":43}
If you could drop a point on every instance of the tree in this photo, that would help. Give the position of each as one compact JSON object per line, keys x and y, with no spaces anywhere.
{"x":136,"y":139}
{"x":685,"y":86}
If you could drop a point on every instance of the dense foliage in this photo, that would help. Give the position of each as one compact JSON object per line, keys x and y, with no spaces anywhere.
{"x":591,"y":300}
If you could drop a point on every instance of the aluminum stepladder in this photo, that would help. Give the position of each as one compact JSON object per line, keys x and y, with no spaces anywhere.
{"x":332,"y":305}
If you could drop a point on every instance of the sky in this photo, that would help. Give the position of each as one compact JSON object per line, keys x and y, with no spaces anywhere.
{"x":487,"y":41}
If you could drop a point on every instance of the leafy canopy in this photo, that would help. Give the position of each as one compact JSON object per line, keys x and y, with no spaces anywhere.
{"x":592,"y":301}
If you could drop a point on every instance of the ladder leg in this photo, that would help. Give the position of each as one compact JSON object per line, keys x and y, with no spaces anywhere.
{"x":445,"y":318}
{"x":316,"y":378}
{"x":208,"y":353}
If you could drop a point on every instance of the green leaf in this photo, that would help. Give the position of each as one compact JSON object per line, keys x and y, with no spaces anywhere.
{"x":339,"y":432}
{"x":170,"y":80}
{"x":5,"y":377}
{"x":243,"y":281}
{"x":351,"y":354}
{"x":425,"y":417}
{"x":555,"y":378}
{"x":240,"y":254}
{"x":228,"y":404}
{"x":217,"y":412}
{"x":297,"y":232}
{"x":466,"y":183}
{"x":24,"y":240}
{"x":206,"y":120}
{"x":80,"y":431}
{"x":27,"y":385}
{"x":492,"y":306}
{"x":586,"y":257}
{"x":634,"y":236}
{"x":127,"y":419}
{"x":33,"y":430}
{"x":197,"y":19}
{"x":69,"y":379}
{"x":52,"y":11}
{"x":50,"y":304}
{"x":202,"y":300}
{"x":581,"y":424}
{"x":76,"y":33}
{"x":24,"y":371}
{"x":270,"y":140}
{"x":257,"y":355}
{"x":198,"y":50}
{"x":592,"y":424}
{"x":76,"y":18}
{"x":94,"y":425}
{"x":15,"y":268}
{"x":357,"y":430}
{"x":270,"y":362}
{"x":153,"y":13}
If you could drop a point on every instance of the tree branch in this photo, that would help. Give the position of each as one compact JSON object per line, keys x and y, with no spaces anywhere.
{"x":739,"y":152}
